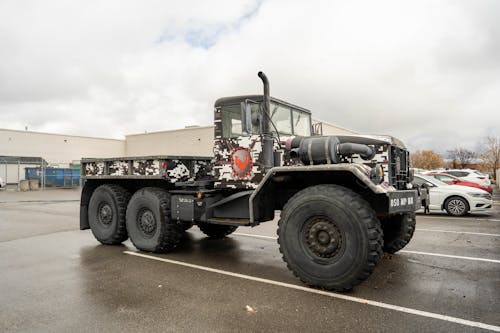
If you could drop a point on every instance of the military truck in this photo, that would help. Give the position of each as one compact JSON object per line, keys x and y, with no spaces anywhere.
{"x":343,"y":200}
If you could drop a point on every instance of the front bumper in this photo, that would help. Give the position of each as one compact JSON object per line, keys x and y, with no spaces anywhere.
{"x":402,"y":201}
{"x":480,"y":204}
{"x":395,"y":202}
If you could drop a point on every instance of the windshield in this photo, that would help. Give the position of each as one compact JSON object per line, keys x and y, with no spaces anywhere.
{"x":282,"y":118}
{"x":288,"y":121}
{"x":301,"y":123}
{"x":428,"y":179}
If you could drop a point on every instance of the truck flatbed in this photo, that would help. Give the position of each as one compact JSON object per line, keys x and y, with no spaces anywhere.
{"x":171,"y":168}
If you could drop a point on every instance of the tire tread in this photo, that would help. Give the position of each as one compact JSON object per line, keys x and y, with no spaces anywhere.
{"x":369,"y":219}
{"x":122,"y":197}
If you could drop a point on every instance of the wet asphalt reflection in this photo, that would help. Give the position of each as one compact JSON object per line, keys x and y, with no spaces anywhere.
{"x":54,"y":277}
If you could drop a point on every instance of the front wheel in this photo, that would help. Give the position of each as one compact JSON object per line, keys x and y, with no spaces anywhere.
{"x":330,"y":237}
{"x":456,"y":206}
{"x":398,"y":231}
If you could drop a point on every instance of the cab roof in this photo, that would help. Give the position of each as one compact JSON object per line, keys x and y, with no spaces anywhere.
{"x":232,"y":100}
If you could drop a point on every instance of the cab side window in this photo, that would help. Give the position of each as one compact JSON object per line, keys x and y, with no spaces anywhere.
{"x":231,"y":121}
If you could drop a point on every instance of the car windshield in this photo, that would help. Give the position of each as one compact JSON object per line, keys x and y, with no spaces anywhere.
{"x":445,"y":177}
{"x":432,"y":180}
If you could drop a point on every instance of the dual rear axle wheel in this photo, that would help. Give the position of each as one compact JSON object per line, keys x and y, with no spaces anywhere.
{"x":115,"y":215}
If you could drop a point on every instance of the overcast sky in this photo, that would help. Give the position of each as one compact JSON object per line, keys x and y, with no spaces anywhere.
{"x":427,"y":72}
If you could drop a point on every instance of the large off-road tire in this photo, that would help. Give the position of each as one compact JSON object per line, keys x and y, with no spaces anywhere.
{"x":456,"y":206}
{"x":106,"y":214}
{"x":148,"y":221}
{"x":398,"y":231}
{"x":216,"y":231}
{"x":329,"y":237}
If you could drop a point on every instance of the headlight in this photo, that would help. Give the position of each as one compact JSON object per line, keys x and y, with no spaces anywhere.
{"x":480,"y":195}
{"x":377,"y":174}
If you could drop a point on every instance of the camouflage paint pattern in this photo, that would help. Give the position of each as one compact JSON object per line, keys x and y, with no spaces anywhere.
{"x":172,"y":170}
{"x":94,"y":168}
{"x":118,"y":168}
{"x":146,"y":167}
{"x":225,"y":167}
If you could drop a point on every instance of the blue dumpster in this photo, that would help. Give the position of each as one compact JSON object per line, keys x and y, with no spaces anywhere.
{"x":55,"y":177}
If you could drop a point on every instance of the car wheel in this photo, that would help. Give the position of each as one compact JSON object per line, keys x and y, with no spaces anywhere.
{"x":456,"y":206}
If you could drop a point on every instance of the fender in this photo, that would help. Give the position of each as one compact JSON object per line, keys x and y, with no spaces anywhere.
{"x":360,"y":172}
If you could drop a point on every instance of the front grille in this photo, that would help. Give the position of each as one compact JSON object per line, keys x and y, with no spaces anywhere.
{"x":398,"y":167}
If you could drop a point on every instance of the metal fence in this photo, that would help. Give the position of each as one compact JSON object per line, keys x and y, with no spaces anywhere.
{"x":16,"y":171}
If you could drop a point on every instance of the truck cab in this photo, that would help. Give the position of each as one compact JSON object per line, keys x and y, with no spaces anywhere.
{"x":238,"y":149}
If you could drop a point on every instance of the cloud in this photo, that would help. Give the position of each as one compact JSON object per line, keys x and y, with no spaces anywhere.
{"x":427,"y":72}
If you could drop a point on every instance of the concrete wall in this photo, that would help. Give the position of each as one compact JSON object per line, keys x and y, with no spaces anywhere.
{"x":57,"y":148}
{"x":191,"y":141}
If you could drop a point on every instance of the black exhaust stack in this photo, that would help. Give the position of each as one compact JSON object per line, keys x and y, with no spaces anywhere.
{"x":267,"y":134}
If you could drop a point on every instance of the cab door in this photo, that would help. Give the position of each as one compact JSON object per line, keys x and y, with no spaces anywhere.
{"x":237,"y":160}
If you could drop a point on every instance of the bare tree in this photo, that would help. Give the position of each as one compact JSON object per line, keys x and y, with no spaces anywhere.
{"x":461,"y":156}
{"x":491,"y":154}
{"x":426,"y":159}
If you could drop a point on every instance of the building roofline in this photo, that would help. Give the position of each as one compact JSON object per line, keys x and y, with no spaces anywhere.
{"x":188,"y":128}
{"x":58,"y":134}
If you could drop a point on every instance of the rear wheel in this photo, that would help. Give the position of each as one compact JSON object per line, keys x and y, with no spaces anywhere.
{"x":185,"y":225}
{"x":216,"y":231}
{"x":106,"y":213}
{"x":329,"y":237}
{"x":398,"y":231}
{"x":148,"y":221}
{"x":456,"y":206}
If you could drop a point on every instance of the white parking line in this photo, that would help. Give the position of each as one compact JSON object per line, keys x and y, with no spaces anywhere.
{"x":427,"y":217}
{"x":401,"y":251}
{"x":459,"y":232}
{"x":451,"y":256}
{"x":256,"y":236}
{"x":326,"y":293}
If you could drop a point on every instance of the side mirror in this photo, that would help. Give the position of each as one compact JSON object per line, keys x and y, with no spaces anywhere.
{"x":455,"y":181}
{"x":246,"y":118}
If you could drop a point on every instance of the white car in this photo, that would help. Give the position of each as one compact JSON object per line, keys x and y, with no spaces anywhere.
{"x":455,"y":199}
{"x":471,"y":175}
{"x":2,"y":183}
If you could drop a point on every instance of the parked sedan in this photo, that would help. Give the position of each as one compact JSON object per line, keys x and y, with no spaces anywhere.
{"x":456,"y":200}
{"x":452,"y":180}
{"x":470,"y":175}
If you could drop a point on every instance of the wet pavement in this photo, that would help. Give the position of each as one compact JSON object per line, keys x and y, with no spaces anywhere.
{"x":56,"y":278}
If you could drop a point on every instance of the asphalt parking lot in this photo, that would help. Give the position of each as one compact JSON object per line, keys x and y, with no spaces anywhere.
{"x":54,"y":277}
